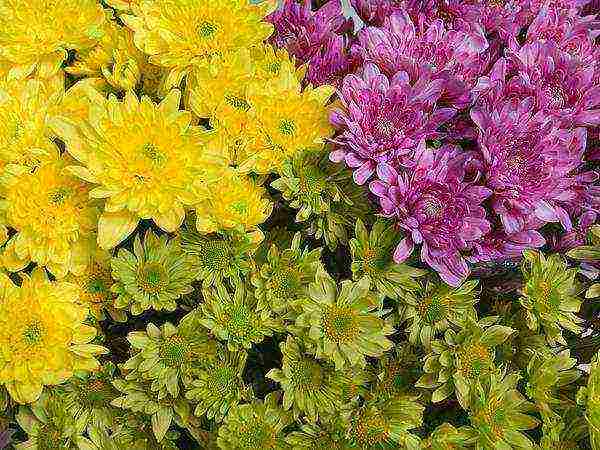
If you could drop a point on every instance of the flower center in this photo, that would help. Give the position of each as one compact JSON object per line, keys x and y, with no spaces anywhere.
{"x":223,"y":379}
{"x":16,"y":130}
{"x":274,"y":67}
{"x":33,"y":333}
{"x":432,"y":310}
{"x":238,"y":320}
{"x":174,"y":351}
{"x":306,"y":375}
{"x":207,"y":29}
{"x":59,"y":195}
{"x":432,"y":207}
{"x":214,"y":256}
{"x":340,"y":324}
{"x":472,"y":360}
{"x":287,"y":127}
{"x":284,"y":283}
{"x":256,"y":435}
{"x":385,"y":128}
{"x":240,"y":207}
{"x":237,"y":102}
{"x":152,"y":278}
{"x":153,"y":153}
{"x":372,"y":430}
{"x":97,"y":393}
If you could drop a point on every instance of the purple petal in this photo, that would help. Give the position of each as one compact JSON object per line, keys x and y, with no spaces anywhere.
{"x":403,"y":250}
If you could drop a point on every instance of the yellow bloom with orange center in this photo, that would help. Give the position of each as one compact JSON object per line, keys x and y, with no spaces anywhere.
{"x":144,"y":159}
{"x":52,"y":213}
{"x":25,"y":108}
{"x":180,"y":34}
{"x":235,"y":202}
{"x":43,"y":340}
{"x":35,"y":35}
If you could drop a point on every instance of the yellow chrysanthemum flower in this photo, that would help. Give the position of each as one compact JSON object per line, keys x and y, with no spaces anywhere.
{"x":25,"y":108}
{"x":179,"y":34}
{"x":35,"y":35}
{"x":234,"y":202}
{"x":43,"y":340}
{"x":115,"y":58}
{"x":290,"y":119}
{"x":144,"y":157}
{"x":51,"y":211}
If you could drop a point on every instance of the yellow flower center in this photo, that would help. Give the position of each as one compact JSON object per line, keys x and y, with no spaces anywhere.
{"x":432,"y":309}
{"x":59,"y":195}
{"x":152,"y":278}
{"x":153,"y":153}
{"x":16,"y":130}
{"x":287,"y":127}
{"x":340,"y":325}
{"x":240,"y":207}
{"x":472,"y":360}
{"x":307,"y":376}
{"x":33,"y":333}
{"x":371,"y":431}
{"x":174,"y":351}
{"x":237,"y":102}
{"x":207,"y":29}
{"x":283,"y":283}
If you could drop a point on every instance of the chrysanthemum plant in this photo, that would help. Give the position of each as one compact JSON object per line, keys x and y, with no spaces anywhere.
{"x":339,"y":224}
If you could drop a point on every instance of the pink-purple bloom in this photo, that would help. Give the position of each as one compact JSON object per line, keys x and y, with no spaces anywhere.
{"x":385,"y":119}
{"x":530,"y":164}
{"x":437,"y":208}
{"x":457,"y":57}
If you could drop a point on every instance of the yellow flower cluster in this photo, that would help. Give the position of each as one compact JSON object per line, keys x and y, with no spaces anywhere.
{"x":142,"y":110}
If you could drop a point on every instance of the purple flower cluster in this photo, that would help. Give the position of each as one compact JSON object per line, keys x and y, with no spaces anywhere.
{"x":473,"y":122}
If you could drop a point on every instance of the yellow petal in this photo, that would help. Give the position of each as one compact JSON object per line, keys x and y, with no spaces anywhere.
{"x":113,"y":228}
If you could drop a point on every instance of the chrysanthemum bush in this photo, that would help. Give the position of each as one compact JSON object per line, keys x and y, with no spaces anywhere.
{"x":350,"y":224}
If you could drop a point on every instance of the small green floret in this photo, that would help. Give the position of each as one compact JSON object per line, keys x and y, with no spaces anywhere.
{"x":155,"y":275}
{"x":550,"y":296}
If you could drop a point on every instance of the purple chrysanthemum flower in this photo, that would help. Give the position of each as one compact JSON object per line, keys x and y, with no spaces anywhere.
{"x":331,"y":63}
{"x":498,"y":246}
{"x":529,"y":163}
{"x":562,"y":87}
{"x":568,"y":30}
{"x":384,"y":120}
{"x":437,"y":208}
{"x":455,"y":56}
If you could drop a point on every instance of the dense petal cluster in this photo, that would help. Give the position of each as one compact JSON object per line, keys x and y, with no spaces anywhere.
{"x":44,"y":340}
{"x":299,"y":224}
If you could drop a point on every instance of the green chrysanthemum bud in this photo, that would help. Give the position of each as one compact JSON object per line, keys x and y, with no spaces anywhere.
{"x":155,"y":275}
{"x":498,"y":413}
{"x":219,"y":387}
{"x":340,"y":323}
{"x":372,"y":256}
{"x":324,"y":195}
{"x":549,"y":296}
{"x":283,"y":279}
{"x":386,"y":424}
{"x":436,"y":308}
{"x":259,"y":425}
{"x":457,"y":361}
{"x":237,"y":318}
{"x":167,"y":357}
{"x":309,"y":387}
{"x":219,"y":257}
